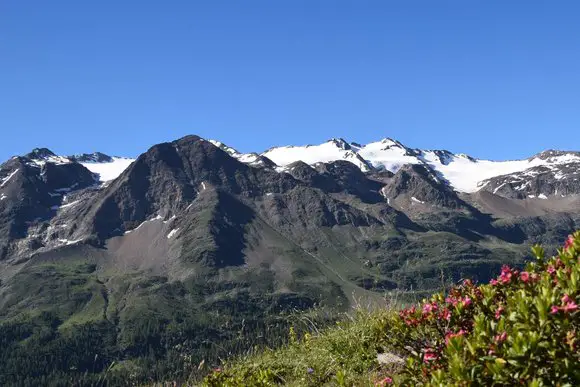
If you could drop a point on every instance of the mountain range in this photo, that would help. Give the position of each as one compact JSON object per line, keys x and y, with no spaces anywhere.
{"x":181,"y":249}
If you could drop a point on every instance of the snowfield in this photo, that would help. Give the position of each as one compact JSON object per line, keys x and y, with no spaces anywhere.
{"x":109,"y":171}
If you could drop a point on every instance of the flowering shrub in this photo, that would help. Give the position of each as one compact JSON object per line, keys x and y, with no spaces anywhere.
{"x":520,"y":329}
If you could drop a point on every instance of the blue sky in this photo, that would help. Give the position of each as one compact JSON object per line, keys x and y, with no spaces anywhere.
{"x":494,"y":79}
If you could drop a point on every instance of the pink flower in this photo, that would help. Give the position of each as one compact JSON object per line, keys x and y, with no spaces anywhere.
{"x":525,"y":276}
{"x":494,"y":282}
{"x":451,"y":300}
{"x":570,"y":307}
{"x":467,"y":282}
{"x":450,"y":335}
{"x":566,"y":299}
{"x":384,"y":381}
{"x":569,"y":242}
{"x":446,"y":314}
{"x":554,"y":309}
{"x":500,"y":338}
{"x":429,"y":356}
{"x":498,"y":312}
{"x":551,"y":269}
{"x":428,"y":308}
{"x":506,"y":274}
{"x":466,"y":301}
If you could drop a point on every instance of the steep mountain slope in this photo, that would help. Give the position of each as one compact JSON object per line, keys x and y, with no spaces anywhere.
{"x":193,"y":242}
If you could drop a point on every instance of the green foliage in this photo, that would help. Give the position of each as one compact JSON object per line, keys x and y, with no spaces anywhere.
{"x":342,"y":355}
{"x":522,"y":328}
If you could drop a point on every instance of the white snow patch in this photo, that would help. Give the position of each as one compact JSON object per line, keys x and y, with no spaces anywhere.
{"x":7,"y":178}
{"x":111,"y":170}
{"x":498,"y":187}
{"x":531,"y":196}
{"x":172,"y":232}
{"x":542,"y":196}
{"x":158,"y":217}
{"x":70,"y":204}
{"x":59,"y":160}
{"x":203,"y":185}
{"x":2,"y":197}
{"x":69,"y":242}
{"x":417,"y":200}
{"x":170,"y":219}
{"x":269,"y":194}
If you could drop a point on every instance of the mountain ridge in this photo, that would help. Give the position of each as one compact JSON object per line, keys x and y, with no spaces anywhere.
{"x":193,"y":236}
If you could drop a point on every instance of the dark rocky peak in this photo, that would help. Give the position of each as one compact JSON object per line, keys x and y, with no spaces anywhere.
{"x":444,"y":156}
{"x":66,"y":177}
{"x":549,"y":153}
{"x":313,"y":176}
{"x":351,"y":179}
{"x":263,"y":161}
{"x":343,"y":171}
{"x":540,"y":182}
{"x":356,"y":144}
{"x":95,"y":157}
{"x":301,"y":170}
{"x":420,"y":184}
{"x":341,"y":143}
{"x":390,"y":143}
{"x":40,"y":154}
{"x":467,"y":157}
{"x":169,"y":177}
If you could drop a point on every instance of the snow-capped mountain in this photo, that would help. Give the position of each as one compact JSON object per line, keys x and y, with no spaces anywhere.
{"x":105,"y":167}
{"x":462,"y":172}
{"x":558,"y":170}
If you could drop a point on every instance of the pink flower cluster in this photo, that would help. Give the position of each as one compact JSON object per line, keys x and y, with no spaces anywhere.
{"x":568,"y":305}
{"x":508,"y":275}
{"x":430,"y":355}
{"x":500,"y":338}
{"x":569,"y":242}
{"x":450,"y":335}
{"x":384,"y":382}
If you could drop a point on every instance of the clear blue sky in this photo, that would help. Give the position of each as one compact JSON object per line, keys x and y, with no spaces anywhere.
{"x":495,"y":79}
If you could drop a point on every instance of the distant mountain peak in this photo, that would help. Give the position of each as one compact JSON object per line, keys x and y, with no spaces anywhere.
{"x":40,"y":154}
{"x":95,"y":157}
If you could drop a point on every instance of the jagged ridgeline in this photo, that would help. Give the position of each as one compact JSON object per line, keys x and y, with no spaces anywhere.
{"x":144,"y":267}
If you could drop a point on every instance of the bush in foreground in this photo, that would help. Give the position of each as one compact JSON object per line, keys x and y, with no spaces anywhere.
{"x":520,"y":329}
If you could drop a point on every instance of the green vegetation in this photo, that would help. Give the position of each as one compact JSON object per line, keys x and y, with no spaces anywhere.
{"x":345,"y":354}
{"x":520,"y":329}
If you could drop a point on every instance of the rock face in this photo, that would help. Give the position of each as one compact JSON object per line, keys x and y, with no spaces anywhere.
{"x":96,"y":157}
{"x":537,"y":182}
{"x":420,"y":184}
